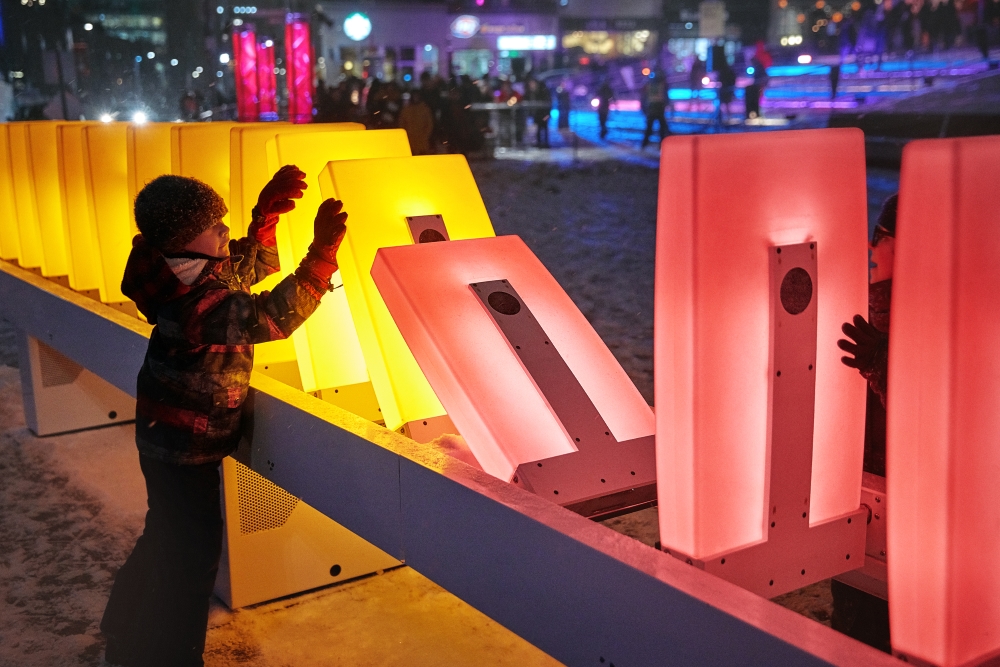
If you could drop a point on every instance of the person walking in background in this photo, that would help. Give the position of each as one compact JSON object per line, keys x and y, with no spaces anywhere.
{"x":834,"y":80}
{"x":538,"y":92}
{"x":655,"y":97}
{"x":563,"y":103}
{"x":418,"y":121}
{"x":605,"y":95}
{"x":727,"y":89}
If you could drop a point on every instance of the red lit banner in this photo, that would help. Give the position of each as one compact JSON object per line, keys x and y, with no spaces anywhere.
{"x":247,"y":92}
{"x":943,"y":431}
{"x":299,"y":68}
{"x":760,"y":427}
{"x":267,"y":83}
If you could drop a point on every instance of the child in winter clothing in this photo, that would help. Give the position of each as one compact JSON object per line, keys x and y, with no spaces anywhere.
{"x":193,"y":283}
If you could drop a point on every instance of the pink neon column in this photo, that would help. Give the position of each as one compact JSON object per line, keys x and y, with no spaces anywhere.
{"x":267,"y":83}
{"x":943,"y":449}
{"x":298,"y":56}
{"x":245,"y":53}
{"x":723,"y":202}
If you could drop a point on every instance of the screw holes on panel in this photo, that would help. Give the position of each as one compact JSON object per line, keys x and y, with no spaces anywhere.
{"x":112,"y":415}
{"x":335,"y":571}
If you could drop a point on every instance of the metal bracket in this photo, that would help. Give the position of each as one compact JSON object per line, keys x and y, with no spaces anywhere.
{"x":427,"y":228}
{"x":604,"y":476}
{"x":873,"y":577}
{"x":793,"y":553}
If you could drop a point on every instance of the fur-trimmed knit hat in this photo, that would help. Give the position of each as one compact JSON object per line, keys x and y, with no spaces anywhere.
{"x":171,"y":211}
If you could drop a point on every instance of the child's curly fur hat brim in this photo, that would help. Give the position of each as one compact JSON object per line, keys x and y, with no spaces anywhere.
{"x":171,"y":211}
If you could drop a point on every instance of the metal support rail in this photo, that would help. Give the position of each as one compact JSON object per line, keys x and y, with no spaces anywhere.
{"x":579,"y":591}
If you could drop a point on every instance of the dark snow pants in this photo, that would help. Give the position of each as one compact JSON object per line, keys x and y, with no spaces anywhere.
{"x":158,"y":610}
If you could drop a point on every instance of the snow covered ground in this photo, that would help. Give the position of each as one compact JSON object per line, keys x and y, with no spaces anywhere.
{"x":71,"y":506}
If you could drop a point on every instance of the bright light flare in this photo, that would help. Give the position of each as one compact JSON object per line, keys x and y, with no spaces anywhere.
{"x":805,"y":59}
{"x":140,"y":117}
{"x":595,"y":102}
{"x":106,"y":118}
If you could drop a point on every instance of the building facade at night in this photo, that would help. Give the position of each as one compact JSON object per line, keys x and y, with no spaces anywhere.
{"x":401,"y":40}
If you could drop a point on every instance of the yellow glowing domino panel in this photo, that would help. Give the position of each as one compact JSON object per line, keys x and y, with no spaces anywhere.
{"x":249,"y":173}
{"x":43,"y":163}
{"x":107,"y":184}
{"x":29,"y":233}
{"x":79,"y":230}
{"x":201,"y":150}
{"x":379,"y":195}
{"x":327,"y":344}
{"x":10,"y":239}
{"x":249,"y":169}
{"x":148,"y":147}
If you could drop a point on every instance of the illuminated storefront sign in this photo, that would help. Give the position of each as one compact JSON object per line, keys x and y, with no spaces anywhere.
{"x":526,"y":42}
{"x":357,"y":26}
{"x":464,"y":26}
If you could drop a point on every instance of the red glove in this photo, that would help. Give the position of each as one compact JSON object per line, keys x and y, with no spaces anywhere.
{"x":275,"y":199}
{"x":320,"y":262}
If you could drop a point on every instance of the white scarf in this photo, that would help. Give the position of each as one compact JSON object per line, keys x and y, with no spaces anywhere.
{"x":187,"y":269}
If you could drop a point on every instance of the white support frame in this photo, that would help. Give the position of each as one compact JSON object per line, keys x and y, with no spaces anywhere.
{"x":575,"y":589}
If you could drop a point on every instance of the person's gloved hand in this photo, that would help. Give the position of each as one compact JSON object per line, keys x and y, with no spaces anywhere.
{"x":276,"y":198}
{"x":320,"y":262}
{"x":866,"y":342}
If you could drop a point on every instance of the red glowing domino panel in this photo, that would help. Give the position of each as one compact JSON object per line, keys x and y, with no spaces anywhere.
{"x":943,"y":450}
{"x":472,"y":368}
{"x":725,"y":202}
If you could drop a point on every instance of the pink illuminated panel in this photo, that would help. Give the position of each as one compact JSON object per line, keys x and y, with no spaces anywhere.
{"x":474,"y":372}
{"x":245,"y":55}
{"x":298,"y":55}
{"x":943,"y":450}
{"x":267,"y":83}
{"x":724,"y":203}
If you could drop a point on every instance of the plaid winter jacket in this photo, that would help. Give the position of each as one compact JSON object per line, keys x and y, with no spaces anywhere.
{"x":193,"y":383}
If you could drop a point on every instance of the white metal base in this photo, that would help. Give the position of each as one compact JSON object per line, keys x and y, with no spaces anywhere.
{"x":873,"y":577}
{"x":276,"y":545}
{"x":60,"y":395}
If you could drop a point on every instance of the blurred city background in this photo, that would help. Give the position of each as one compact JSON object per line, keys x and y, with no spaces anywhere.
{"x":493,"y":73}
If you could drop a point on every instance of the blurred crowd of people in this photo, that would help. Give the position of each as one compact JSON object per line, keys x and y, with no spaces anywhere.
{"x":901,"y":26}
{"x":438,"y":114}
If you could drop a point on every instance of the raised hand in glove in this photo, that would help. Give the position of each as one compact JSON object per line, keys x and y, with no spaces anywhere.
{"x":865,"y":343}
{"x":320,"y":262}
{"x":276,"y":198}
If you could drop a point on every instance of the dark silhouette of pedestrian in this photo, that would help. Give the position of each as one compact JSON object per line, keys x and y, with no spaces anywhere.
{"x":604,"y":96}
{"x":834,"y":80}
{"x":655,"y":97}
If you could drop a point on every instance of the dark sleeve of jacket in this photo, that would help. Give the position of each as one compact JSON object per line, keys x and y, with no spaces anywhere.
{"x":259,"y":261}
{"x":878,"y":372}
{"x":223,"y":316}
